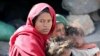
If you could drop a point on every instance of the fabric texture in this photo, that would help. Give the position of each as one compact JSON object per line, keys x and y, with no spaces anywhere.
{"x":61,"y":19}
{"x":85,"y":52}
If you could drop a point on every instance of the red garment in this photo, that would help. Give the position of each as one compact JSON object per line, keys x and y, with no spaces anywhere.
{"x":27,"y":41}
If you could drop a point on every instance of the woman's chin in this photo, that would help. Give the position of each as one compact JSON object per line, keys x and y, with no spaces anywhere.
{"x":45,"y":32}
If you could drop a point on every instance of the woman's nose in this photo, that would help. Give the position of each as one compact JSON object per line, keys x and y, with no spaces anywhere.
{"x":45,"y":24}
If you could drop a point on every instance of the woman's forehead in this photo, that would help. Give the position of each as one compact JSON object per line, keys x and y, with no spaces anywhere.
{"x":45,"y":16}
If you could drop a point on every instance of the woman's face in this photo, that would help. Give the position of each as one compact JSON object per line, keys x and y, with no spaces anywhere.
{"x":59,"y":30}
{"x":44,"y":23}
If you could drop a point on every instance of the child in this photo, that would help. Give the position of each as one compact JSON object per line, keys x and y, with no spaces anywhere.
{"x":59,"y":30}
{"x":61,"y":23}
{"x":58,"y":37}
{"x":81,"y":48}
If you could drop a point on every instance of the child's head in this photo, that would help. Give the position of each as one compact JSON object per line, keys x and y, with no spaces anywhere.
{"x":76,"y":34}
{"x":61,"y":23}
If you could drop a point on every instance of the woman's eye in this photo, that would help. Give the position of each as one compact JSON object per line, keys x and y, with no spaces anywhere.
{"x":49,"y":20}
{"x":41,"y":21}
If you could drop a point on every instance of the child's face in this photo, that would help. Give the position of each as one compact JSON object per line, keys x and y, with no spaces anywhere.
{"x":59,"y":30}
{"x":79,"y":41}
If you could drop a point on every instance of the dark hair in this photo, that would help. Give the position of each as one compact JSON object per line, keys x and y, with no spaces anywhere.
{"x":74,"y":31}
{"x":34,"y":20}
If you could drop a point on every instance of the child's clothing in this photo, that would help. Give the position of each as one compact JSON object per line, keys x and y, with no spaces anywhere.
{"x":85,"y":52}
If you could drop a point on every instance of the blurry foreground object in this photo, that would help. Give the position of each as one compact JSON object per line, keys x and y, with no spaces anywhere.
{"x":6,"y":31}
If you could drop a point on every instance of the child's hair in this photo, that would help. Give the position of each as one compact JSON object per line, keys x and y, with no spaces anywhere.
{"x":74,"y":31}
{"x":34,"y":20}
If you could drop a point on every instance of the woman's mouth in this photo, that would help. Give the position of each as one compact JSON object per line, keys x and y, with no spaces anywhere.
{"x":45,"y":30}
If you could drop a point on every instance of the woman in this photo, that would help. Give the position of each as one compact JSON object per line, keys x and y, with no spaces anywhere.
{"x":30,"y":39}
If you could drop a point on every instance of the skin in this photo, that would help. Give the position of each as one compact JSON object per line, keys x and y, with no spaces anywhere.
{"x":81,"y":44}
{"x":44,"y":23}
{"x":97,"y":54}
{"x":67,"y":52}
{"x":59,"y":30}
{"x":79,"y":41}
